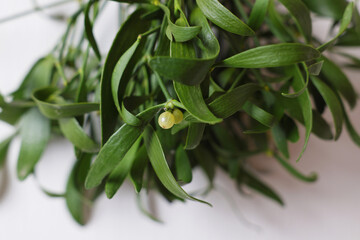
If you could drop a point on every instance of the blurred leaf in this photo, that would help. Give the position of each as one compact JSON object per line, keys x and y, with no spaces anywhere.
{"x":310,"y":178}
{"x":332,"y":8}
{"x":339,"y":81}
{"x":182,"y":165}
{"x":35,"y":134}
{"x":301,"y":15}
{"x":279,"y":136}
{"x":138,"y":168}
{"x":60,"y":110}
{"x":332,"y":102}
{"x":194,"y":135}
{"x":4,"y":147}
{"x":346,"y":20}
{"x":77,"y":136}
{"x":258,"y":13}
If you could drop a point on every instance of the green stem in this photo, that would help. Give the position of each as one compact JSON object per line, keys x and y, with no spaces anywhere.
{"x":35,"y":9}
{"x":163,"y":87}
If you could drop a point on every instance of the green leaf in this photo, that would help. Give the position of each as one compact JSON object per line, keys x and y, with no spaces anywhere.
{"x":188,"y":69}
{"x":125,"y":37}
{"x":223,"y":18}
{"x":332,"y":8}
{"x":194,"y":135}
{"x":233,"y":101}
{"x":60,"y":110}
{"x":333,"y":103}
{"x":256,"y":184}
{"x":305,"y":105}
{"x":114,"y":150}
{"x":119,"y":174}
{"x":351,"y":130}
{"x":301,"y":15}
{"x":274,"y":55}
{"x":346,"y":20}
{"x":78,"y":204}
{"x":258,"y":13}
{"x":179,"y":33}
{"x":258,"y":114}
{"x":161,"y":168}
{"x":138,"y":168}
{"x":182,"y":165}
{"x":89,"y":29}
{"x":4,"y":147}
{"x":77,"y":136}
{"x":115,"y":83}
{"x":39,"y":76}
{"x":310,"y":178}
{"x":339,"y":81}
{"x":191,"y":97}
{"x":35,"y":134}
{"x":279,"y":136}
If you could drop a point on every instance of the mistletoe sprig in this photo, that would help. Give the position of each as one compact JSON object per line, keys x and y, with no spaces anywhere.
{"x":186,"y":84}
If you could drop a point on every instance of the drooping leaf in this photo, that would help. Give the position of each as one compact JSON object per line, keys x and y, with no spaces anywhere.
{"x":89,"y":29}
{"x":258,"y":114}
{"x":115,"y":149}
{"x":182,"y":165}
{"x":301,"y":15}
{"x":337,"y":78}
{"x":77,"y":136}
{"x":138,"y":168}
{"x":4,"y":147}
{"x":119,"y":174}
{"x":332,"y":102}
{"x":310,"y":178}
{"x":194,"y":135}
{"x":35,"y":134}
{"x":279,"y":136}
{"x":51,"y":110}
{"x":158,"y":162}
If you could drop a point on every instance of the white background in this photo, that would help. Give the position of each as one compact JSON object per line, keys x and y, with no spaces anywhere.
{"x":328,"y":209}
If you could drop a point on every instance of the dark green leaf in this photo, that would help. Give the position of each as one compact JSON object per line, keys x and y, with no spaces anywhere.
{"x":301,"y":15}
{"x":89,"y":30}
{"x":138,"y":168}
{"x":279,"y":136}
{"x":332,"y":102}
{"x":182,"y":165}
{"x":258,"y":114}
{"x":185,"y":69}
{"x":233,"y":101}
{"x":114,"y":150}
{"x":194,"y":135}
{"x":332,"y":8}
{"x":119,"y":174}
{"x":125,"y":37}
{"x":161,"y":168}
{"x":337,"y":78}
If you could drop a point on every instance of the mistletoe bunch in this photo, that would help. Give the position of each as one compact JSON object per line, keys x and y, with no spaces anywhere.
{"x":186,"y":84}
